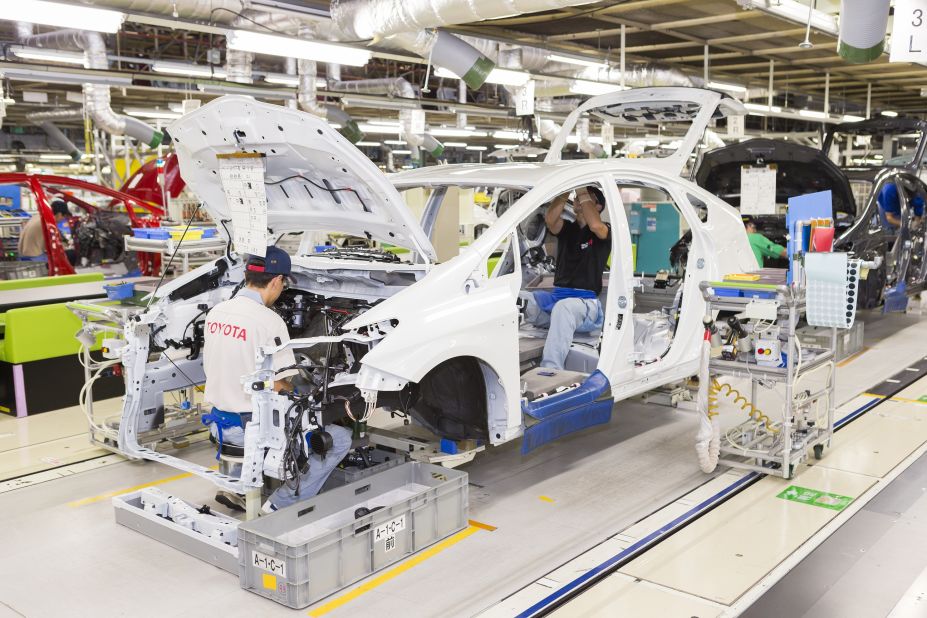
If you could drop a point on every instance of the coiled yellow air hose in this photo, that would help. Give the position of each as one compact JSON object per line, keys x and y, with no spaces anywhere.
{"x":716,"y":390}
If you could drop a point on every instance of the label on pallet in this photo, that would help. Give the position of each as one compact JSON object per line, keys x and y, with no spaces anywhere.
{"x":275,"y":565}
{"x":387,"y":532}
{"x":834,"y":502}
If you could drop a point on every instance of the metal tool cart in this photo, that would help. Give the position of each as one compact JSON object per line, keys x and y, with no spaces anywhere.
{"x":762,"y":345}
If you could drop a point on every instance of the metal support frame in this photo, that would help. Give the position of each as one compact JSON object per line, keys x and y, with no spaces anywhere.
{"x":781,"y":451}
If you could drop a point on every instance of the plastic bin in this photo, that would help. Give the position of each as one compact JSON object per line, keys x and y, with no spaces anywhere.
{"x":849,"y":340}
{"x":381,"y":460}
{"x":23,"y":270}
{"x":119,"y":291}
{"x":314,"y":548}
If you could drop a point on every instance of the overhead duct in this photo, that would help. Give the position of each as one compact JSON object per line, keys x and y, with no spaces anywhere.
{"x":46,"y":120}
{"x":376,"y":19}
{"x":410,"y":25}
{"x":548,"y":129}
{"x":393,"y":87}
{"x":212,"y":10}
{"x":582,"y":133}
{"x":307,"y":98}
{"x":862,"y":29}
{"x":445,"y":50}
{"x":96,"y":97}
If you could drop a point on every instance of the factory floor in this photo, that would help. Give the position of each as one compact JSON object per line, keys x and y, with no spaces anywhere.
{"x":64,"y":555}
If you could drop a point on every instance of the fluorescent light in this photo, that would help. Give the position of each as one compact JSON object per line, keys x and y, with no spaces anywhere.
{"x":402,"y":152}
{"x":850,"y":118}
{"x":519,"y":135}
{"x":796,"y":12}
{"x":282,"y":79}
{"x":810,"y":113}
{"x":447,"y":132}
{"x":368,"y":144}
{"x":591,"y":88}
{"x":455,"y":144}
{"x":385,"y":123}
{"x":726,"y":86}
{"x":504,"y":77}
{"x":378,"y":129}
{"x":54,"y":157}
{"x":477,"y":148}
{"x":62,"y":15}
{"x":142,"y":112}
{"x":47,"y":55}
{"x":889,"y":113}
{"x":502,"y":146}
{"x":508,"y":77}
{"x":187,"y":68}
{"x":580,"y":61}
{"x":289,"y":47}
{"x":395,"y":142}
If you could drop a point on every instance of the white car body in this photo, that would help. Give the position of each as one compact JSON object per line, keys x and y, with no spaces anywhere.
{"x":424,"y":314}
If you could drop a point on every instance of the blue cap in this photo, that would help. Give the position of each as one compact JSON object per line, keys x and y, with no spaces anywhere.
{"x":275,"y":262}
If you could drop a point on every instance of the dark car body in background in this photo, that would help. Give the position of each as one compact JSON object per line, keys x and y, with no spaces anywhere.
{"x":855,"y":187}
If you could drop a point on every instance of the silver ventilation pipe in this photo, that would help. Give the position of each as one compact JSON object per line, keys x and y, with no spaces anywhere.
{"x":392,"y":87}
{"x":213,"y":10}
{"x":289,"y":68}
{"x":238,"y":66}
{"x":445,"y":50}
{"x":45,"y":120}
{"x":307,"y":98}
{"x":548,"y":129}
{"x":582,"y":132}
{"x":96,"y":97}
{"x":375,"y":19}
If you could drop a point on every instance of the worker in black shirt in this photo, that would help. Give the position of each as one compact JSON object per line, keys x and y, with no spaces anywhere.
{"x":583,"y":248}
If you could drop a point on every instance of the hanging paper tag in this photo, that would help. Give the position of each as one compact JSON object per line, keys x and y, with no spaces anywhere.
{"x":242,"y":177}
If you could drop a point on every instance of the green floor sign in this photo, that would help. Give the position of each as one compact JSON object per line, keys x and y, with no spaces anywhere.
{"x":834,"y":502}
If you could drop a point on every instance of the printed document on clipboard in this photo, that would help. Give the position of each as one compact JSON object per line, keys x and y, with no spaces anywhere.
{"x":242,"y":177}
{"x":758,"y":190}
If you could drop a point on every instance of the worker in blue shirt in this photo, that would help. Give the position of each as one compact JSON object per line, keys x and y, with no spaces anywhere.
{"x":890,"y":205}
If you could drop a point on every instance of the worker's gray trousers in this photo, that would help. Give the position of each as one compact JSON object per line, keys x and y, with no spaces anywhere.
{"x":568,"y":317}
{"x":319,"y":467}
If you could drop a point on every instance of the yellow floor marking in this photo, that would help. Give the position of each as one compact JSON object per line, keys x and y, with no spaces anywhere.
{"x":853,"y":356}
{"x":390,"y":574}
{"x":480,"y":524}
{"x":906,"y":400}
{"x":118,"y":492}
{"x":546,"y":498}
{"x":872,"y":395}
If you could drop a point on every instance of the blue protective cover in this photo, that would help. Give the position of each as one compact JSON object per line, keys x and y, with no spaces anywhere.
{"x":558,"y":415}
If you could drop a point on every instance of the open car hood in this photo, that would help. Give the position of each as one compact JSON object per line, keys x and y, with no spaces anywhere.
{"x":643,"y":107}
{"x":799,"y":170}
{"x":316,"y":180}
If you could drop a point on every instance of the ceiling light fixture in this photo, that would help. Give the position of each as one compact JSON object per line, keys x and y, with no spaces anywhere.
{"x":517,"y":135}
{"x":810,"y":113}
{"x":187,"y":69}
{"x":448,"y":132}
{"x":402,"y":152}
{"x":726,"y":86}
{"x":288,"y":47}
{"x":455,"y":144}
{"x":479,"y":148}
{"x":889,"y":113}
{"x":47,"y":55}
{"x":851,"y":118}
{"x":591,"y":88}
{"x":600,"y":64}
{"x":62,"y":15}
{"x":282,"y":79}
{"x":155,"y":112}
{"x":368,"y":144}
{"x":503,"y":77}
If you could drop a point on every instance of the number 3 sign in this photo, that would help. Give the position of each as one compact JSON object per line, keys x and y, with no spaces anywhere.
{"x":909,"y":32}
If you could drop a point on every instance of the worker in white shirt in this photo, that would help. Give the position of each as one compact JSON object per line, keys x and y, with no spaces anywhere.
{"x":234,"y":330}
